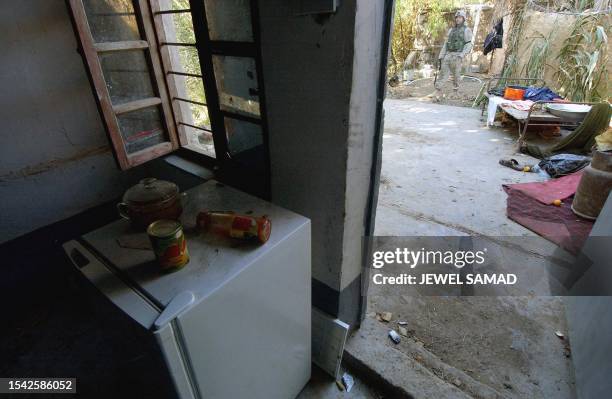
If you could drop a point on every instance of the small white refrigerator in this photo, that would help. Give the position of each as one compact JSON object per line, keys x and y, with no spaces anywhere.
{"x":235,"y":321}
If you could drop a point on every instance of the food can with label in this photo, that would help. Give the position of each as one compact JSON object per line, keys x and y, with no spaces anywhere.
{"x":169,"y":244}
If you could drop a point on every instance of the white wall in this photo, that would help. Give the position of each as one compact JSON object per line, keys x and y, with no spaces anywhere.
{"x":54,"y":160}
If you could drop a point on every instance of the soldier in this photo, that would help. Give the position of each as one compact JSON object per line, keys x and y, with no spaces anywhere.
{"x":458,"y":44}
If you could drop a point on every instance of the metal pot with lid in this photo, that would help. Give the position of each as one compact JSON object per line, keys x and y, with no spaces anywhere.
{"x":151,"y":200}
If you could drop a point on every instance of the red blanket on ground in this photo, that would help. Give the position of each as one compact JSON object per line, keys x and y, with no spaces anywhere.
{"x":530,"y":205}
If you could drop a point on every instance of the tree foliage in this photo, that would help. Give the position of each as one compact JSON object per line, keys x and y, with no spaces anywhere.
{"x":190,"y":62}
{"x":538,"y":58}
{"x":583,"y":60}
{"x":418,"y":22}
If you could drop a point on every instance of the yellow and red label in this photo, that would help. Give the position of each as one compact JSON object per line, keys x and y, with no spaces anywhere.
{"x":171,"y":250}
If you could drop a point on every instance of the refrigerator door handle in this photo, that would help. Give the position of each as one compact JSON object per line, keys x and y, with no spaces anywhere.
{"x":79,"y":259}
{"x":176,"y":306}
{"x":115,"y":289}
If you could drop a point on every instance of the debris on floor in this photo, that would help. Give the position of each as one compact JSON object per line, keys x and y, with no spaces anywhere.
{"x":394,"y":336}
{"x":321,"y":386}
{"x":384,"y":316}
{"x":538,"y":354}
{"x":567,"y":351}
{"x":348,"y":382}
{"x":402,"y":331}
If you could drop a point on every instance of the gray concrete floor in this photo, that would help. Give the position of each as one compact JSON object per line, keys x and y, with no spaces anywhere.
{"x":440,"y":169}
{"x":322,"y":386}
{"x":440,"y":177}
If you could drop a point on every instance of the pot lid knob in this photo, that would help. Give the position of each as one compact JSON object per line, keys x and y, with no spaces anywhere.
{"x":150,"y":190}
{"x":149,"y":182}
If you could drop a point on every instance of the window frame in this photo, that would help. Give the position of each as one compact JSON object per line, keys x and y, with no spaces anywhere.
{"x":91,"y":51}
{"x":229,"y":169}
{"x":149,"y":16}
{"x":170,"y":73}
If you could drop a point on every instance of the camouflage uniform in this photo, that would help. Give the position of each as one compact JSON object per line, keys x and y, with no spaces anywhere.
{"x":457,"y":46}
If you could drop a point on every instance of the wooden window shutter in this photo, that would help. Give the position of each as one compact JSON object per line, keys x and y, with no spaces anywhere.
{"x":120,"y":51}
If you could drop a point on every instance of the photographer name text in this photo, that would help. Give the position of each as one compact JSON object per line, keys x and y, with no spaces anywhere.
{"x":455,"y":260}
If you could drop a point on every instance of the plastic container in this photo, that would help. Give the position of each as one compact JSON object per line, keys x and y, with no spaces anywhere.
{"x":514,"y":93}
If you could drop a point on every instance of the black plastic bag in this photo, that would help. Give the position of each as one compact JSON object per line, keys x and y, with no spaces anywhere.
{"x":563,"y":164}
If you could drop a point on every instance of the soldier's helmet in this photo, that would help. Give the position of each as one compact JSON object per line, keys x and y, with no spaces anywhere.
{"x":461,"y":13}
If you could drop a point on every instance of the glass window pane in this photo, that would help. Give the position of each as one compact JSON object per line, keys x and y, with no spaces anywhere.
{"x":199,"y":115}
{"x":174,"y":4}
{"x":183,"y":27}
{"x":142,"y":129}
{"x":178,"y":27}
{"x":185,"y":59}
{"x":229,"y":20}
{"x":237,"y":84}
{"x":127,"y":76}
{"x":192,"y":89}
{"x":200,"y":141}
{"x":242,"y":136}
{"x":194,"y":114}
{"x":112,"y":20}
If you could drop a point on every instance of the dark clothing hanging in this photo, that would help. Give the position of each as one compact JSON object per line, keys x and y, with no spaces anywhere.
{"x":494,"y":39}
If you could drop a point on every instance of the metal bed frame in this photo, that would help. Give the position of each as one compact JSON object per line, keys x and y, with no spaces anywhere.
{"x":535,"y":116}
{"x":560,"y":121}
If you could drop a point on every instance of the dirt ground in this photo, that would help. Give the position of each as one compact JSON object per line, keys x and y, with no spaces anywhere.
{"x":506,"y":343}
{"x":421,"y":89}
